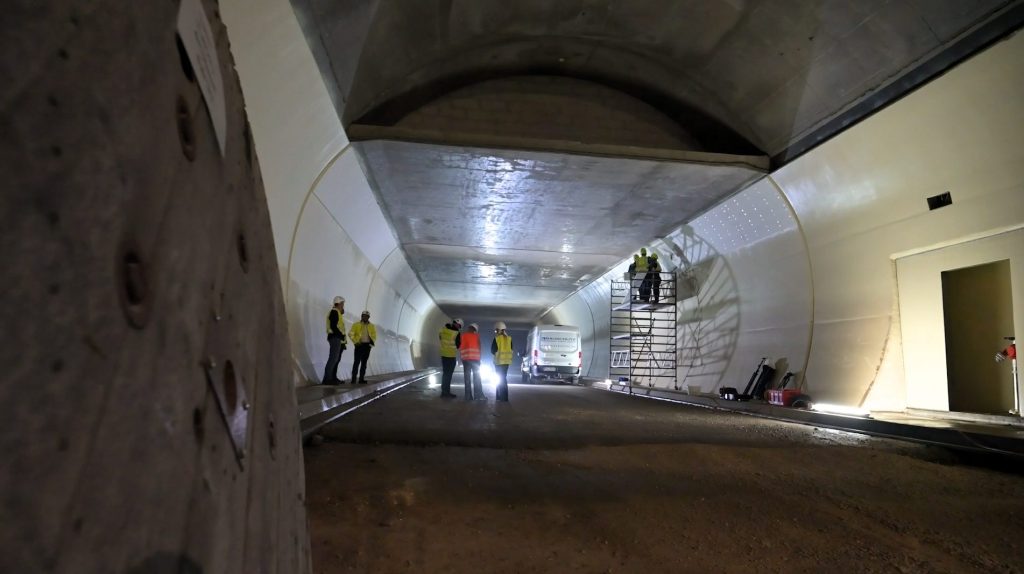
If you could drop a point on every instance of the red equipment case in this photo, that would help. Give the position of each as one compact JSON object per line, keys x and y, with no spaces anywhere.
{"x":782,"y":397}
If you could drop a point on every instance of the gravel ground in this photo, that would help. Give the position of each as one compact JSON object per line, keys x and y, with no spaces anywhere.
{"x":567,"y":479}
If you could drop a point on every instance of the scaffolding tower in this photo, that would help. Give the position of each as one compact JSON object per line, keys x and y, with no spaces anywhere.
{"x":643,"y":332}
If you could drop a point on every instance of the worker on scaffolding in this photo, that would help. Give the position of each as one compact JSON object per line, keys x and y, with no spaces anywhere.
{"x":642,"y":267}
{"x":654,"y":275}
{"x":631,"y":277}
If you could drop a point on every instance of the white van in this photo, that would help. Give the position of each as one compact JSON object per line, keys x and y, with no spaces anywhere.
{"x":553,"y":352}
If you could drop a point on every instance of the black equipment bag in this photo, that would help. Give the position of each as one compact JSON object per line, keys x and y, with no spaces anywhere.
{"x":758,"y":382}
{"x":764,"y":381}
{"x":753,"y":377}
{"x":732,"y":394}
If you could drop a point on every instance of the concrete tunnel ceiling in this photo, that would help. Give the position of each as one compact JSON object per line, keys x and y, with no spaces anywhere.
{"x":519,"y":150}
{"x":769,"y":71}
{"x":506,"y":234}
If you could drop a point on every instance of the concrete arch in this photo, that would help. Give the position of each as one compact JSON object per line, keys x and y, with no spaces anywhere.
{"x":702,"y":123}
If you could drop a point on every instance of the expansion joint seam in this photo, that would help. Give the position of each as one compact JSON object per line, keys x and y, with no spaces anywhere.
{"x":302,"y":210}
{"x":810,"y":278}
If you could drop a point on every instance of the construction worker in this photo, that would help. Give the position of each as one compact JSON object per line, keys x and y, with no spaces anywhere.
{"x":631,"y":276}
{"x":469,"y":349}
{"x":641,"y":271}
{"x":654,"y":275}
{"x":364,"y":336}
{"x":335,"y":341}
{"x":448,"y":352}
{"x":501,"y":348}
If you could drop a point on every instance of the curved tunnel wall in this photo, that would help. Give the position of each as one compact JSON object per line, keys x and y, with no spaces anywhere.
{"x":330,"y":235}
{"x":799,"y":266}
{"x":808,"y":282}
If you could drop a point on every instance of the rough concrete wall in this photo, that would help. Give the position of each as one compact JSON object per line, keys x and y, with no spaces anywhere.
{"x":551,"y":107}
{"x":125,"y":235}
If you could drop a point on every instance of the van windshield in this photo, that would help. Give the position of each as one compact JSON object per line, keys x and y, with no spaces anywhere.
{"x":558,"y":341}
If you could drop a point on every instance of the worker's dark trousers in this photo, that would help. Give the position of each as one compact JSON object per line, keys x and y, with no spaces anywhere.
{"x":645,"y":290}
{"x":656,"y":283}
{"x":474,"y":389}
{"x":447,"y":368}
{"x":331,"y":370}
{"x":362,"y":357}
{"x":501,"y":392}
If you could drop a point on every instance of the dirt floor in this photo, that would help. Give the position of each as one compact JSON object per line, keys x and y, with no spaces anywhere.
{"x":568,"y":479}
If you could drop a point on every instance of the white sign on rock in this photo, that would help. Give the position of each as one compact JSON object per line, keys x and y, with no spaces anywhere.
{"x":197,"y":36}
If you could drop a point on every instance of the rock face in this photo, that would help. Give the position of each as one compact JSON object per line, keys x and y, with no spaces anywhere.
{"x":148,"y":418}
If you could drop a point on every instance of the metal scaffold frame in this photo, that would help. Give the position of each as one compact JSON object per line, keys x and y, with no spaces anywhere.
{"x":643,"y":332}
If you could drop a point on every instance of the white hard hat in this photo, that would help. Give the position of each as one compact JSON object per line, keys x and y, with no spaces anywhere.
{"x":475,"y":326}
{"x":500,"y":325}
{"x":339,"y":300}
{"x":457,"y":322}
{"x":367,"y":313}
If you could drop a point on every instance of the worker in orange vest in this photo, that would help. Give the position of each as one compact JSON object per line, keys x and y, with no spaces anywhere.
{"x":468,"y":344}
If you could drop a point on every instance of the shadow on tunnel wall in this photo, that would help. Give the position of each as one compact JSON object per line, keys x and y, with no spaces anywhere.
{"x":708,"y":322}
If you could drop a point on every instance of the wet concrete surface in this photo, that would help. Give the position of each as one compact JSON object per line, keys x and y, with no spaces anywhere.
{"x":573,"y":479}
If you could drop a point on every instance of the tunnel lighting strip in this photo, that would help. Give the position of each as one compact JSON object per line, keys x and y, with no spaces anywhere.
{"x":840,"y":410}
{"x":977,"y":446}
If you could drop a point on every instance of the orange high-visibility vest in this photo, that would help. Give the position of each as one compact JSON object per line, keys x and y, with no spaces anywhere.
{"x":469,"y":346}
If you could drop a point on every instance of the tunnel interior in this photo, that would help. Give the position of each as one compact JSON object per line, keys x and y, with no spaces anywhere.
{"x":519,"y":157}
{"x":180,"y":216}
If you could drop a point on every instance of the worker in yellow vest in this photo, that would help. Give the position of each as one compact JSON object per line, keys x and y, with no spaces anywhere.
{"x":335,"y":341}
{"x":501,"y":348}
{"x":364,"y":336}
{"x":469,"y":349}
{"x":640,"y":278}
{"x":654,"y":275}
{"x":449,"y":352}
{"x":643,"y":266}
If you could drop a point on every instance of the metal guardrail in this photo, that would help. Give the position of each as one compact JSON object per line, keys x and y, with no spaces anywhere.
{"x":335,"y":402}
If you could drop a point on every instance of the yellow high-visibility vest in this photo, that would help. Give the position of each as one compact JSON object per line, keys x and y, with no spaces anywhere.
{"x":356,"y":334}
{"x":341,"y":321}
{"x":504,"y":356}
{"x":447,"y":342}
